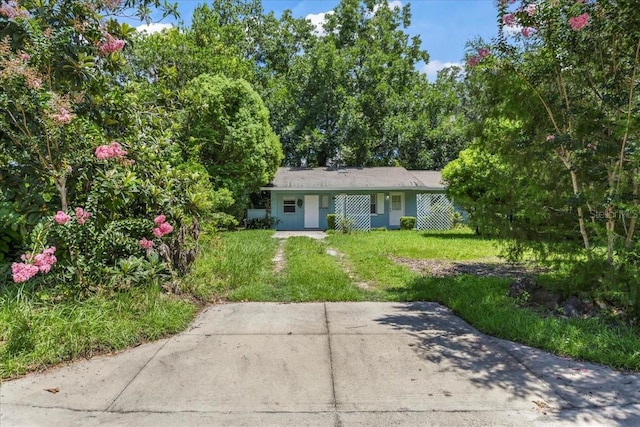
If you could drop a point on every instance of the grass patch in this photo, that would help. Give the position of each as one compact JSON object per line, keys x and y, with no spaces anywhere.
{"x":313,"y":275}
{"x":236,"y":266}
{"x":484,"y":303}
{"x":370,"y":252}
{"x":36,"y":334}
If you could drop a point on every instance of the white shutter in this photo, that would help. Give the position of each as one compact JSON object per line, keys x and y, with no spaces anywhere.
{"x":380,"y":203}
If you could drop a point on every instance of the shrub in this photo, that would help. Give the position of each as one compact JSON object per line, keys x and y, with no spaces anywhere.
{"x":266,"y":223}
{"x":331,"y":221}
{"x":407,"y":222}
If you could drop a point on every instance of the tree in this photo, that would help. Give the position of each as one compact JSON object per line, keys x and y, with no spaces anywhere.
{"x":567,"y":83}
{"x":227,"y":130}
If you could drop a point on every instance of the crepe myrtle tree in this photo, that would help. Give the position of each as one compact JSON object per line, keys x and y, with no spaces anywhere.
{"x":567,"y":72}
{"x":57,"y":59}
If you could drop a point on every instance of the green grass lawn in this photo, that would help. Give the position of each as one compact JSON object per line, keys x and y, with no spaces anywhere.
{"x":238,"y":266}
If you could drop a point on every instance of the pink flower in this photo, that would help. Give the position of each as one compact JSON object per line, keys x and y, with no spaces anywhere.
{"x":82,"y":216}
{"x":483,"y":52}
{"x":550,"y":138}
{"x":472,"y":61}
{"x":528,"y":31}
{"x":62,"y":117}
{"x":162,"y":229}
{"x":145,"y":244}
{"x":61,"y":218}
{"x":509,"y":20}
{"x":22,"y":272}
{"x":531,"y":9}
{"x":25,"y":56}
{"x":113,"y":150}
{"x":159,"y":219}
{"x":165,"y":228}
{"x":11,"y":9}
{"x":579,"y":22}
{"x":111,"y":44}
{"x":45,"y":260}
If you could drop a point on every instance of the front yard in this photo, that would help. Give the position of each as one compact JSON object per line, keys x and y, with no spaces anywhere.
{"x":457,"y":269}
{"x":399,"y":266}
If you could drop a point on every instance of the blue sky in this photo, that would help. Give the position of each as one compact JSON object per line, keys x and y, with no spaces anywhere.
{"x":444,"y":26}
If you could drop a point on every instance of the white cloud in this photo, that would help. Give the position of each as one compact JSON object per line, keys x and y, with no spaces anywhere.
{"x":395,"y":4}
{"x":318,"y":20}
{"x":153,"y":28}
{"x":431,"y":69}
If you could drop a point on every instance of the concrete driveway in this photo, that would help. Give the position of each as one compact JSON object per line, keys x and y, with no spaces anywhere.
{"x":325,"y":364}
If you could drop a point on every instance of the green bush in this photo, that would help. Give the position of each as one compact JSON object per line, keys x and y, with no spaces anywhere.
{"x":331,"y":221}
{"x":266,"y":223}
{"x":407,"y":222}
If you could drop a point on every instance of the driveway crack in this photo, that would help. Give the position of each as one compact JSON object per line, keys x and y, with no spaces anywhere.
{"x":134,"y":377}
{"x":338,"y":422}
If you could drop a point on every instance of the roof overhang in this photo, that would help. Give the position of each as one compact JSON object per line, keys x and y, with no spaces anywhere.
{"x":349,"y":189}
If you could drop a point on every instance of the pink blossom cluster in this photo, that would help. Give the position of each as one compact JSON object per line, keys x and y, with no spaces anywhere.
{"x":62,"y":116}
{"x":112,"y":4}
{"x":62,"y":218}
{"x":579,"y":22}
{"x":509,"y":19}
{"x":528,"y":31}
{"x":531,"y":9}
{"x":162,"y":226}
{"x":11,"y":10}
{"x":145,"y":244}
{"x":113,"y":150}
{"x":23,"y":271}
{"x":82,"y":216}
{"x":481,"y":53}
{"x":25,"y":56}
{"x":111,"y":44}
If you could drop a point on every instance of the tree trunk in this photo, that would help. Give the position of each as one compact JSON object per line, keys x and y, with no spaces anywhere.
{"x":61,"y":186}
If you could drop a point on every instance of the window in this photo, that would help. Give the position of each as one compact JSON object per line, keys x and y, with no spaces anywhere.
{"x":377,"y":203}
{"x":289,"y":206}
{"x":396,"y":202}
{"x":324,"y":202}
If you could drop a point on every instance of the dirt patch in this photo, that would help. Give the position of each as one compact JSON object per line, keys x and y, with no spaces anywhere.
{"x":279,"y":260}
{"x":346,"y":267}
{"x":444,"y":268}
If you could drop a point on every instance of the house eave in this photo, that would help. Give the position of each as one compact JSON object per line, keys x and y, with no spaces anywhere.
{"x":348,"y":189}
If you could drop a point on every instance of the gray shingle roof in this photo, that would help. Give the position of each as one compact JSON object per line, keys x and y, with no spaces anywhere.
{"x":380,"y":178}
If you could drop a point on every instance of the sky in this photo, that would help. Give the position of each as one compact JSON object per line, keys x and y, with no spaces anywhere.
{"x":444,"y":26}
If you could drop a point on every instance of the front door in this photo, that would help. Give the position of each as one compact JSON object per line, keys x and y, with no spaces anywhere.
{"x":396,"y":208}
{"x":312,"y":211}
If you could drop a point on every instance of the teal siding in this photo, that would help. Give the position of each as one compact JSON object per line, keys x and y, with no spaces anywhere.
{"x":295,"y":221}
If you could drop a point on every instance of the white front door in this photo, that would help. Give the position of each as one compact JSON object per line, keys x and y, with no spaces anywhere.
{"x":312,"y":211}
{"x":396,"y":208}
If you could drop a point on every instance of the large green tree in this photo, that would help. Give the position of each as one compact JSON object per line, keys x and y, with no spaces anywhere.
{"x":227,"y":130}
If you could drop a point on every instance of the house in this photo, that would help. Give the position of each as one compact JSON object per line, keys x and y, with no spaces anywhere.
{"x":301,"y":198}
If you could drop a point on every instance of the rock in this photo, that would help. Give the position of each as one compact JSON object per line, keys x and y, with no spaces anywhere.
{"x":574,"y":307}
{"x":544,"y":298}
{"x":522,"y":285}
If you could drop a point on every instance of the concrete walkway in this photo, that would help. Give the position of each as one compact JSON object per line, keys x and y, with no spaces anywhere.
{"x":313,"y":234}
{"x":333,"y":364}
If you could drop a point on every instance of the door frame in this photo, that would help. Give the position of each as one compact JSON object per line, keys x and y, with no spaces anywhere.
{"x":394,"y":219}
{"x":311,"y":211}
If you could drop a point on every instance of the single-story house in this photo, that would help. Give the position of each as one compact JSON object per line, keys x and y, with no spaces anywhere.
{"x":301,"y":198}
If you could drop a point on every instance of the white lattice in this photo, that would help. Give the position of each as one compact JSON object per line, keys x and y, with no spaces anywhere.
{"x":435,"y":212}
{"x":353,"y":212}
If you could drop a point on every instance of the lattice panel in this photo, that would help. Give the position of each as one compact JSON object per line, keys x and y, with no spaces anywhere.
{"x":435,"y":212}
{"x":353,"y":212}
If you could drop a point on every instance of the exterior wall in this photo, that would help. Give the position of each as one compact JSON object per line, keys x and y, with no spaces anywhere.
{"x":295,"y":221}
